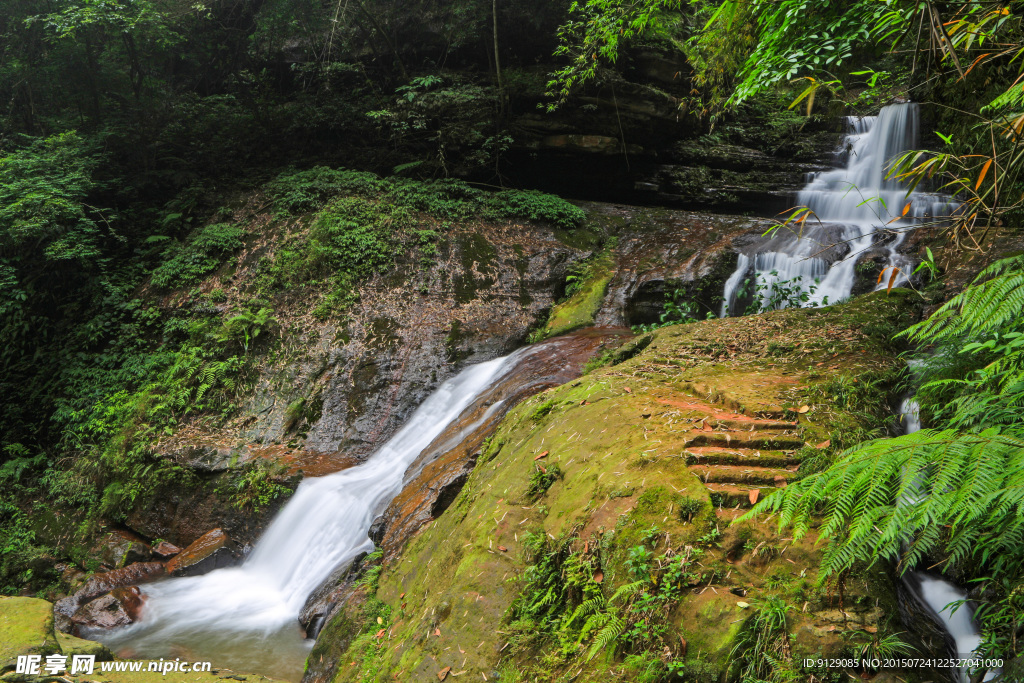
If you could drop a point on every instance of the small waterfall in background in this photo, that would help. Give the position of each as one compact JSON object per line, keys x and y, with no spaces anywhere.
{"x":246,"y":616}
{"x":935,"y":593}
{"x":852,"y":206}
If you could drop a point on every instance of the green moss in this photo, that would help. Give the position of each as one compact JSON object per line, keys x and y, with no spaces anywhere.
{"x":26,"y":628}
{"x":581,"y":307}
{"x":70,"y":645}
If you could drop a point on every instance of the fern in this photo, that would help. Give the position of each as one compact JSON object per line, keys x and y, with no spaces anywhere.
{"x":993,"y":301}
{"x":607,"y":636}
{"x":901,"y":499}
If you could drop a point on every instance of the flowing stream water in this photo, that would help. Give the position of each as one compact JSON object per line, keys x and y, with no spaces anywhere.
{"x":855,"y":208}
{"x":245,"y":617}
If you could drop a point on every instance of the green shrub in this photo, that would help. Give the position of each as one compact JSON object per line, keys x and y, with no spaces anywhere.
{"x":296,"y":192}
{"x":535,"y":206}
{"x":203,"y":252}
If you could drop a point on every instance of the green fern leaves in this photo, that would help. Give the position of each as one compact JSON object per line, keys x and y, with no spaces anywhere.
{"x":901,"y":499}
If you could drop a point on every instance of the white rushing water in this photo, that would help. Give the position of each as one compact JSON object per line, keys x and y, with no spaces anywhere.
{"x":246,"y":616}
{"x":935,"y":592}
{"x":853,"y":206}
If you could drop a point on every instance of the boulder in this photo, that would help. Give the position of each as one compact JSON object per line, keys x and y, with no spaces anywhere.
{"x":26,"y":628}
{"x":105,"y":612}
{"x":205,"y":554}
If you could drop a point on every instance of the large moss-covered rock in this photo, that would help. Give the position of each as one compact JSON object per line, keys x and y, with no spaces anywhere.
{"x":26,"y":628}
{"x":679,"y":436}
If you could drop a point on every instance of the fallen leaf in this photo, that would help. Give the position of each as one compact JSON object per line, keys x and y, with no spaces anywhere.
{"x":824,"y":444}
{"x":803,"y":409}
{"x":871,"y":629}
{"x":502,"y":548}
{"x":628,"y":390}
{"x":583,"y":402}
{"x":598,"y":577}
{"x":743,"y":605}
{"x":380,"y":633}
{"x":542,"y":455}
{"x":380,"y":620}
{"x":437,"y":632}
{"x":682,"y":646}
{"x":443,"y":673}
{"x":401,"y":596}
{"x":541,"y":468}
{"x":754,"y":493}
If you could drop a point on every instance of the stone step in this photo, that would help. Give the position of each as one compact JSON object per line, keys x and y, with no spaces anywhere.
{"x":760,"y":440}
{"x":731,"y":495}
{"x":713,"y":455}
{"x":740,"y":425}
{"x":733,"y":474}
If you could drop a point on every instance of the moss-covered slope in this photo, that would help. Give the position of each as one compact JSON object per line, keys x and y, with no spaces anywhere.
{"x":598,"y":479}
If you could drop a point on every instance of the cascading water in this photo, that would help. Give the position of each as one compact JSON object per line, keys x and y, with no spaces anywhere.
{"x":852,"y":206}
{"x":245,"y":616}
{"x":936,"y":593}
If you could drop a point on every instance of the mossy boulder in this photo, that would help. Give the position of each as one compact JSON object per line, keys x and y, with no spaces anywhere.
{"x":26,"y":628}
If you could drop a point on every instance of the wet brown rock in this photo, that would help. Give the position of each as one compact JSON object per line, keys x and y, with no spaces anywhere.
{"x":65,"y":609}
{"x":205,"y":554}
{"x":165,"y":550}
{"x":133,"y":574}
{"x":119,"y":548}
{"x":131,"y":600}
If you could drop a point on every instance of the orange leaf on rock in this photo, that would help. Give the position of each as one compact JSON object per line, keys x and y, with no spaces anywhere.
{"x":824,"y":444}
{"x":754,"y":493}
{"x":437,"y":631}
{"x":380,"y":633}
{"x":628,"y":390}
{"x":443,"y":673}
{"x":803,"y":409}
{"x":542,"y":455}
{"x":502,"y":548}
{"x":599,"y":577}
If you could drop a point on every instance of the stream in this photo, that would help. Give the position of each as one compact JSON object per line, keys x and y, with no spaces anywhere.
{"x":245,"y":617}
{"x":936,"y":594}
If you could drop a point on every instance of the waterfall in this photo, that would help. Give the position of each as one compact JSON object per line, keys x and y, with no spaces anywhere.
{"x":245,"y":616}
{"x":937,"y":594}
{"x":852,"y":206}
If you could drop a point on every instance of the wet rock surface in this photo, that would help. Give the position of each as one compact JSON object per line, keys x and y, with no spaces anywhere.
{"x":100,"y":585}
{"x":208,"y":552}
